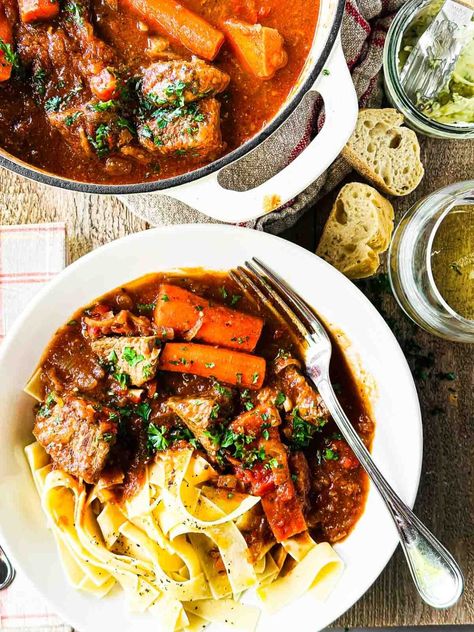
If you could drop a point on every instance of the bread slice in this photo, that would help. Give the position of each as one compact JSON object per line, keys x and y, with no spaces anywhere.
{"x":358,"y":229}
{"x":384,"y":152}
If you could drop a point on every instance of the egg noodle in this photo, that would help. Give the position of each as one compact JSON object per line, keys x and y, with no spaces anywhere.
{"x":175,"y":548}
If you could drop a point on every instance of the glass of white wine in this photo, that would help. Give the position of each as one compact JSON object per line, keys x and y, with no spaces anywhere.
{"x":431,"y":262}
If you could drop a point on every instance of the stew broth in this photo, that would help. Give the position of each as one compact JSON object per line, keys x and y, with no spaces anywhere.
{"x":334,"y":488}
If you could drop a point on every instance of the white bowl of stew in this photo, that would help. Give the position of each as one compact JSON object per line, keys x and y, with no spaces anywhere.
{"x":101,"y":96}
{"x":374,"y":380}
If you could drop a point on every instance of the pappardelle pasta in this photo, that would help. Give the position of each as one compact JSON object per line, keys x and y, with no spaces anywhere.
{"x":186,"y":484}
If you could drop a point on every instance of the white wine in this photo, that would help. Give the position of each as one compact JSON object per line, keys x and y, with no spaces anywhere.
{"x":452,"y":260}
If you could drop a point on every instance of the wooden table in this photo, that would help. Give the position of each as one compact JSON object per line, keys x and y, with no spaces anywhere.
{"x":446,"y":499}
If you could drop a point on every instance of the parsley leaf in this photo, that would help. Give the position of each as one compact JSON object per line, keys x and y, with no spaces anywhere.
{"x":131,"y":356}
{"x":143,"y":410}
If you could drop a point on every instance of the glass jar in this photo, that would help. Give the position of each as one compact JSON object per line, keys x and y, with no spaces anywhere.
{"x":394,"y":89}
{"x":415,"y":249}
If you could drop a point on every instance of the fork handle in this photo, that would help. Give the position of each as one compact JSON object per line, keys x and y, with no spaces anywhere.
{"x":436,"y":574}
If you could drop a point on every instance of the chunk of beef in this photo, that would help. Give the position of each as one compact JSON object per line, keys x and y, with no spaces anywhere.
{"x":96,"y":59}
{"x":179,"y":82}
{"x":301,"y":476}
{"x":137,"y":357}
{"x":192,"y":129}
{"x":300,"y":394}
{"x":196,"y":386}
{"x":196,"y":413}
{"x":72,"y":366}
{"x":77,"y":434}
{"x":101,"y":321}
{"x":90,"y":130}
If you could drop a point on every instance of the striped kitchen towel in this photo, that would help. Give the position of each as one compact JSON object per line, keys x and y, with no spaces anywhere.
{"x":30,"y":255}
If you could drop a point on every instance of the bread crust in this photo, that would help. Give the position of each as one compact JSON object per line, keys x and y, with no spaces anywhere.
{"x":392,"y":145}
{"x":358,"y":230}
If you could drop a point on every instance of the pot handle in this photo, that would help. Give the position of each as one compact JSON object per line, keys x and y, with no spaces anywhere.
{"x":337,"y":90}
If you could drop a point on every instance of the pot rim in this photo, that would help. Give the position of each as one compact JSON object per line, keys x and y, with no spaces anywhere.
{"x":22,"y":168}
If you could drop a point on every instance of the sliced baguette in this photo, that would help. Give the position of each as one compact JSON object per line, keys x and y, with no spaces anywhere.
{"x":358,"y":230}
{"x":385,"y":153}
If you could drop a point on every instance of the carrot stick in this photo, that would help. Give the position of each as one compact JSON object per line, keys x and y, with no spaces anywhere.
{"x":104,"y":85}
{"x":32,"y":10}
{"x":231,"y":367}
{"x":258,"y":48}
{"x":6,"y":40}
{"x":216,"y":324}
{"x":180,"y":24}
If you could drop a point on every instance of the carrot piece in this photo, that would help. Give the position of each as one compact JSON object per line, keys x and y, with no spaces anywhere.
{"x":104,"y":85}
{"x":271,"y":479}
{"x":216,"y":324}
{"x":231,"y":367}
{"x":6,"y":40}
{"x":283,"y":511}
{"x":180,"y":24}
{"x":32,"y":10}
{"x":258,"y":48}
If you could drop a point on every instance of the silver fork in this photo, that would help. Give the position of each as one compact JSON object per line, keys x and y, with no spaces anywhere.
{"x":436,"y":574}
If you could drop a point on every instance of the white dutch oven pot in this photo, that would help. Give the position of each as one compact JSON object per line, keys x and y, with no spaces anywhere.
{"x":201,"y":189}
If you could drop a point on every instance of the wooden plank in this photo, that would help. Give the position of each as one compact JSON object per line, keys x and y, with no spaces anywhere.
{"x":91,"y":220}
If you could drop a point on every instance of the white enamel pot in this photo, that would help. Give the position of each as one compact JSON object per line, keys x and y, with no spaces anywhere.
{"x":201,"y":189}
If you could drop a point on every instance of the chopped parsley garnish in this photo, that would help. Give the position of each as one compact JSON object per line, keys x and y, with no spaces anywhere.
{"x":143,"y":410}
{"x":223,"y":292}
{"x":9,"y":54}
{"x":126,"y":124}
{"x":235,"y":298}
{"x":72,"y":118}
{"x":107,"y":437}
{"x":222,"y":390}
{"x":112,"y":357}
{"x":176,"y":90}
{"x":248,"y":405}
{"x":165,"y":298}
{"x":215,"y":411}
{"x":39,"y":81}
{"x":303,"y":431}
{"x":265,"y":434}
{"x":145,"y":307}
{"x":53,"y":104}
{"x":100,"y":141}
{"x":450,"y":376}
{"x":255,"y":377}
{"x":159,"y":439}
{"x":330,"y":455}
{"x":44,"y":410}
{"x":210,"y":365}
{"x":156,"y":439}
{"x":104,"y":106}
{"x":147,"y":370}
{"x":280,"y":399}
{"x":122,"y":379}
{"x":272,"y":464}
{"x":131,"y":356}
{"x":75,"y":11}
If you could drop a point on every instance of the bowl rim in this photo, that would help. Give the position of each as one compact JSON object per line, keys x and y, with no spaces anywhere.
{"x":298,"y":251}
{"x":20,"y":167}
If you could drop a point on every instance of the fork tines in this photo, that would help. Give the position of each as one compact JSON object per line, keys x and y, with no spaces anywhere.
{"x":272,"y":291}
